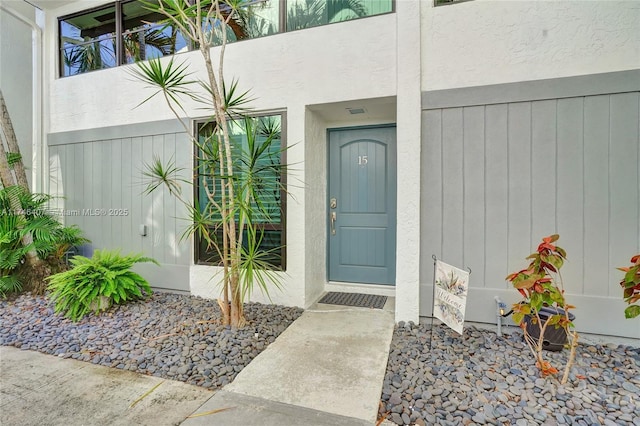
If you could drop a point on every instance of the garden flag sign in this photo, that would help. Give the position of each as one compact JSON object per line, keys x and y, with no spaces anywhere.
{"x":450,"y":295}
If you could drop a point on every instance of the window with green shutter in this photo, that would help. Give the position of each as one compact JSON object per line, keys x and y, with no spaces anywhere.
{"x":258,"y":157}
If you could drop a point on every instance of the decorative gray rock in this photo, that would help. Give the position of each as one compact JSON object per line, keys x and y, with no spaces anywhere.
{"x":484,"y":379}
{"x":157,"y":336}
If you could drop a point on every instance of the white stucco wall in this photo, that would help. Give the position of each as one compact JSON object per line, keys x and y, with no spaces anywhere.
{"x":17,"y":73}
{"x":315,"y":201}
{"x":488,"y":41}
{"x":408,"y":158}
{"x":284,"y":72}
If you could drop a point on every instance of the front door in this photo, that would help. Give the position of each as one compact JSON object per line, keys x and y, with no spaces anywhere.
{"x":362,"y":205}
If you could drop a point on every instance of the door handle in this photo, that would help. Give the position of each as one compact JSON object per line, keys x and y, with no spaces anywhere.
{"x":333,"y":217}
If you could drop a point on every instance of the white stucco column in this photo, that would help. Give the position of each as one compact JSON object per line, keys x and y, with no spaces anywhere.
{"x":22,"y":41}
{"x":408,"y":157}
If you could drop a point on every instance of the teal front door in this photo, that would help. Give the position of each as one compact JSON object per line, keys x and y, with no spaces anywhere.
{"x":362,"y":205}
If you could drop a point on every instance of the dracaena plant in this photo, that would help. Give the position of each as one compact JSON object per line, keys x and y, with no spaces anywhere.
{"x":631,"y":285}
{"x":231,"y":176}
{"x":540,"y":285}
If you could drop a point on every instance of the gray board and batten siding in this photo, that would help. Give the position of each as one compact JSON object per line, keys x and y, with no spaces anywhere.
{"x":505,"y":165}
{"x":99,"y":174}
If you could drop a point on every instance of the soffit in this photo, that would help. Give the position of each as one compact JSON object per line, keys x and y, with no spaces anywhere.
{"x":54,"y":4}
{"x":376,"y":109}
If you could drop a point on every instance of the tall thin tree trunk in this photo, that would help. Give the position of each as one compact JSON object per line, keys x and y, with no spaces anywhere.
{"x":231,"y":304}
{"x":227,"y":191}
{"x":6,"y":178}
{"x":12,"y":144}
{"x":32,"y":262}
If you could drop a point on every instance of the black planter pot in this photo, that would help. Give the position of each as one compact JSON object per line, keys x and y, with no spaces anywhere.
{"x":554,"y":338}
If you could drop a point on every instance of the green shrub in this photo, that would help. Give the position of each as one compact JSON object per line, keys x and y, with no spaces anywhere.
{"x":25,"y":214}
{"x":541,"y":286}
{"x":94,"y":284}
{"x":12,"y":229}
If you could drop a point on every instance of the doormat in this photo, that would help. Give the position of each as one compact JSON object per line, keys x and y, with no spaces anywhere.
{"x":354,"y":299}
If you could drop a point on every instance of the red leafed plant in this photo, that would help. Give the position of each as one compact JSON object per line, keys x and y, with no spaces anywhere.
{"x":631,"y":285}
{"x":540,"y":284}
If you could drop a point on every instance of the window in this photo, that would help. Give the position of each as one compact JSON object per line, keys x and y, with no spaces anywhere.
{"x":88,"y":42}
{"x":312,"y":13}
{"x":118,"y":34}
{"x":258,"y":152}
{"x":257,"y":20}
{"x":125,"y":31}
{"x":144,"y":38}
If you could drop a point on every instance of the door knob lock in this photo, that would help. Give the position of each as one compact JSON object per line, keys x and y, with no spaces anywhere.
{"x":333,"y":203}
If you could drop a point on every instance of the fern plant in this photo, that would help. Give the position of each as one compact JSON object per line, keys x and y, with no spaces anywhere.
{"x":94,"y":284}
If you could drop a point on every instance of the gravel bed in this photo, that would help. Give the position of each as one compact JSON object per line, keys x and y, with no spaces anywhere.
{"x":485,"y":379}
{"x":173,"y":336}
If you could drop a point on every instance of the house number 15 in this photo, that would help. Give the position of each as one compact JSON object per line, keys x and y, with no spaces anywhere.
{"x":362,"y":160}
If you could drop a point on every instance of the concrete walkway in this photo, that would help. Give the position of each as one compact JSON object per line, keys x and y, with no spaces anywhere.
{"x":235,"y":409}
{"x":326,"y":368}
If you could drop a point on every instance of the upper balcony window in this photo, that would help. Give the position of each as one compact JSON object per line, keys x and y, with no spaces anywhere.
{"x":118,"y":34}
{"x":143,"y":37}
{"x":312,"y":13}
{"x":125,"y":31}
{"x":88,"y":41}
{"x":257,"y":19}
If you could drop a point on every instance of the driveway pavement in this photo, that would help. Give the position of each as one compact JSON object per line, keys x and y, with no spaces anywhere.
{"x":38,"y":389}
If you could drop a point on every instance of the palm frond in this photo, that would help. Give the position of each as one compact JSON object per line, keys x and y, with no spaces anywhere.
{"x":9,"y":284}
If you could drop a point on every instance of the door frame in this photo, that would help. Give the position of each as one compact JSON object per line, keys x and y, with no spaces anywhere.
{"x":327,"y":197}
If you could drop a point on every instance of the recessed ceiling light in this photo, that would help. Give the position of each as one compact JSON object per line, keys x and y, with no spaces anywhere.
{"x":356,"y":110}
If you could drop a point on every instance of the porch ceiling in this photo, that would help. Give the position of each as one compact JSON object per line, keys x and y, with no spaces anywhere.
{"x":371,"y":110}
{"x":52,"y":4}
